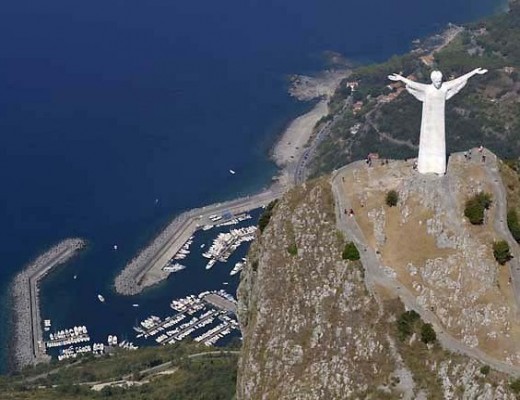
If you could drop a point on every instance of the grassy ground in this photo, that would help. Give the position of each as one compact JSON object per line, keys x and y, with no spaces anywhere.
{"x":211,"y":376}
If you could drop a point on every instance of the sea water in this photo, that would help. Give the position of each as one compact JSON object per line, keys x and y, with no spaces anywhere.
{"x":115,"y":116}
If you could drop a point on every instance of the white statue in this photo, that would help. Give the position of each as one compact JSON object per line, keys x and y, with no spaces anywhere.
{"x":432,"y":141}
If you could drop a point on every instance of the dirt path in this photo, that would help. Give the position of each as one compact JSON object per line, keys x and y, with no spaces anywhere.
{"x":374,"y":273}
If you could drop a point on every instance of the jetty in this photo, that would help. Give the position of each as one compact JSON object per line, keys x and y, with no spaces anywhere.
{"x":147,"y":268}
{"x":28,"y":345}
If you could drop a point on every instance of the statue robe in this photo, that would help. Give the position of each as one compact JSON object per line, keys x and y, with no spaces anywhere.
{"x":432,"y":140}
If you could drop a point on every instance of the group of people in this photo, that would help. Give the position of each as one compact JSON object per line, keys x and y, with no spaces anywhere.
{"x":467,"y":154}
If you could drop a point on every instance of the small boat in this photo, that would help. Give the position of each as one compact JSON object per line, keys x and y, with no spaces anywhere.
{"x":115,"y":247}
{"x":135,"y":305}
{"x":75,"y":276}
{"x":225,"y":283}
{"x":202,"y":245}
{"x":232,"y":172}
{"x":101,"y":298}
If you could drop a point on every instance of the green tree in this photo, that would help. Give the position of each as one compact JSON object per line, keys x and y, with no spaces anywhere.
{"x":428,"y":334}
{"x":513,"y":224}
{"x":475,"y":207}
{"x":392,"y":197}
{"x":501,"y":252}
{"x":515,"y":385}
{"x":266,"y":215}
{"x":350,"y":252}
{"x":406,"y":323}
{"x":485,"y":369}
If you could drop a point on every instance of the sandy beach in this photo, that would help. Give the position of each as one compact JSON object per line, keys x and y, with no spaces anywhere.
{"x":292,"y":143}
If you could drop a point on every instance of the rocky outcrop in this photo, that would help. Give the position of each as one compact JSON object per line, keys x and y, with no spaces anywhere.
{"x":312,"y":330}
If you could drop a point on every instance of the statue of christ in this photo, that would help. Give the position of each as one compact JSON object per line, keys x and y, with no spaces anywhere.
{"x":432,"y":141}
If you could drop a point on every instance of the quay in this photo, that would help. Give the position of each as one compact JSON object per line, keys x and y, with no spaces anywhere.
{"x":146,"y":269}
{"x":28,"y":345}
{"x":220,"y":302}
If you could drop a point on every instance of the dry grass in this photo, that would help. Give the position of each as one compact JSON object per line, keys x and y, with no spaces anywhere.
{"x":407,"y":241}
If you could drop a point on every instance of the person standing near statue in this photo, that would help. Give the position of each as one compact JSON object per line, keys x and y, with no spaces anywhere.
{"x":432,"y":139}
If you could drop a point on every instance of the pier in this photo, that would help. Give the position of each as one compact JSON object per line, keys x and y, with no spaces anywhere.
{"x":147,"y":268}
{"x":28,"y":346}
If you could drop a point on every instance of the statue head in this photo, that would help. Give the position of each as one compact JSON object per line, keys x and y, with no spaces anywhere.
{"x":436,"y":77}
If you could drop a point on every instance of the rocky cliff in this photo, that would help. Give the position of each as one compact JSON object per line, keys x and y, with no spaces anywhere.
{"x":319,"y":327}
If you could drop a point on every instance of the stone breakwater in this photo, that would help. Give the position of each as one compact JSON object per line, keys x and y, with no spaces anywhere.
{"x":146,"y":268}
{"x":128,"y":282}
{"x":27,"y":340}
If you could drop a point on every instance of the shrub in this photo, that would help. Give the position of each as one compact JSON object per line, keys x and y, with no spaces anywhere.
{"x":392,"y":198}
{"x":513,"y":225}
{"x":266,"y":215}
{"x":475,"y":207}
{"x":350,"y":252}
{"x":292,"y":249}
{"x":406,"y":322}
{"x":428,"y":334}
{"x":484,"y":370}
{"x":501,"y":252}
{"x":515,"y":385}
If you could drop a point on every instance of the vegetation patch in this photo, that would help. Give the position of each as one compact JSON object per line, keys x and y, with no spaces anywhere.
{"x":292,"y":249}
{"x":392,"y":197}
{"x":476,"y":206}
{"x":501,"y":252}
{"x":350,"y":252}
{"x":513,"y":224}
{"x":266,"y":215}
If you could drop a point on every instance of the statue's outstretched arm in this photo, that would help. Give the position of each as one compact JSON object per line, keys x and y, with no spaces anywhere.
{"x":455,"y":86}
{"x":416,"y":89}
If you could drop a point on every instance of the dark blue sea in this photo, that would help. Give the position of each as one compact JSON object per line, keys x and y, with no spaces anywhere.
{"x":106,"y":106}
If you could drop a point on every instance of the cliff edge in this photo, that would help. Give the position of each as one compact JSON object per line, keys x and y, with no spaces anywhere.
{"x":317,"y":326}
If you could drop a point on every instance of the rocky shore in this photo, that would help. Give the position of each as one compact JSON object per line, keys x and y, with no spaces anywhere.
{"x":26,"y":345}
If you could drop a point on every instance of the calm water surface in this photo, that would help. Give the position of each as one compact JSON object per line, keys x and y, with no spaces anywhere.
{"x":106,"y":106}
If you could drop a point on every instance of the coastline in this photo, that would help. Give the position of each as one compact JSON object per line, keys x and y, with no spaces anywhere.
{"x":145,"y":269}
{"x":26,"y":345}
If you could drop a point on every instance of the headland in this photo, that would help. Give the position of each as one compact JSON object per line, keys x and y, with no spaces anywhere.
{"x":27,"y":347}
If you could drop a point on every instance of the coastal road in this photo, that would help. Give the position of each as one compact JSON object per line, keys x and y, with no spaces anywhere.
{"x":375,"y":275}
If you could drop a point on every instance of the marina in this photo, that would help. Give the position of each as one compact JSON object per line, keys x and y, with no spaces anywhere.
{"x":194,"y":312}
{"x":226,"y":243}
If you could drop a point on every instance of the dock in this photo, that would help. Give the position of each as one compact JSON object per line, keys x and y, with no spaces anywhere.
{"x":146,"y":269}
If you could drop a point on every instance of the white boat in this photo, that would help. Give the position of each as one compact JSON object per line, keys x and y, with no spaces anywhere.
{"x":75,"y":276}
{"x":174,"y":268}
{"x":101,"y":298}
{"x":237,"y":268}
{"x":135,"y":305}
{"x":232,"y":172}
{"x":211,"y":263}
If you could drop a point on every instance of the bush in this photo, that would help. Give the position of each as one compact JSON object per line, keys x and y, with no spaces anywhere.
{"x":392,"y":198}
{"x":350,"y":252}
{"x":428,"y":334}
{"x":292,"y":249}
{"x":501,"y":252}
{"x":266,"y":215}
{"x":406,"y":322}
{"x":484,"y":370}
{"x":475,"y":207}
{"x":515,"y":386}
{"x":513,"y":225}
